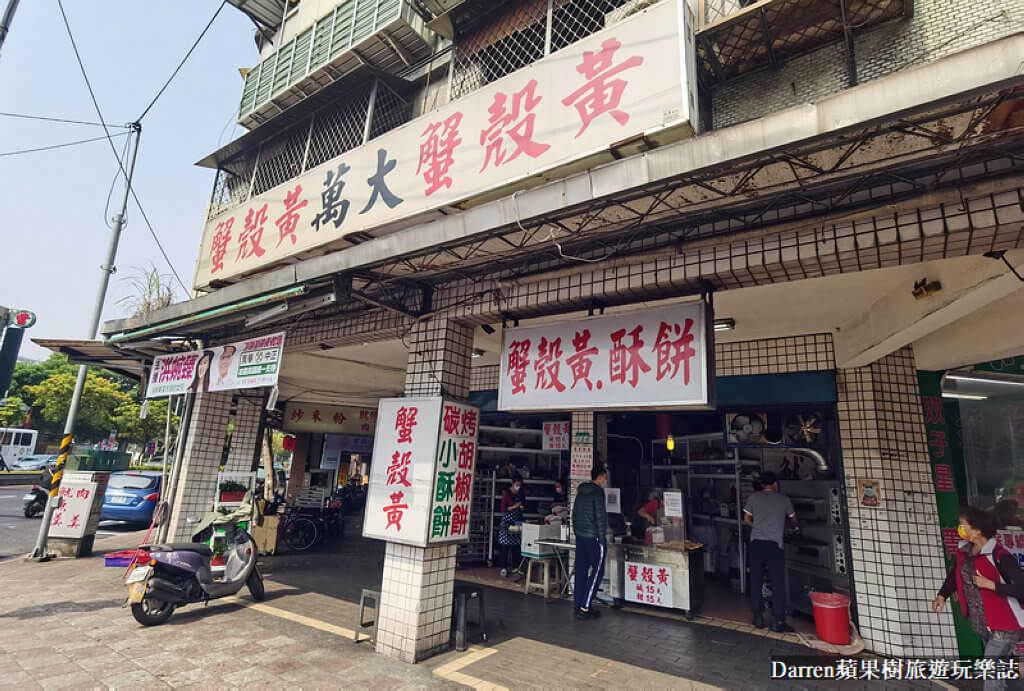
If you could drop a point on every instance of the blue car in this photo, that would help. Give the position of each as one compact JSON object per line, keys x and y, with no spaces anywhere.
{"x":131,"y":496}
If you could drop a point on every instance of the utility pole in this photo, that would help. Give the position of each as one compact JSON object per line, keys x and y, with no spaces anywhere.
{"x":107,"y":268}
{"x":5,"y":23}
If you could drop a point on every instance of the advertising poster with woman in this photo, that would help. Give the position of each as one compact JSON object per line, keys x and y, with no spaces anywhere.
{"x":242,"y":365}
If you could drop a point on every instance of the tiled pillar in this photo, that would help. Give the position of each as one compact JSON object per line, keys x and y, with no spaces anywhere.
{"x":582,"y":423}
{"x":897,"y":546}
{"x":245,"y":437}
{"x":414,"y":621}
{"x":197,"y":483}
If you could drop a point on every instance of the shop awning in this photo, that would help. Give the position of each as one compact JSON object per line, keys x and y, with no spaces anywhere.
{"x":99,"y":354}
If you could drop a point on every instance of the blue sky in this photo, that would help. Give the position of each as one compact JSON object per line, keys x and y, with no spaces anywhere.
{"x":53,"y":236}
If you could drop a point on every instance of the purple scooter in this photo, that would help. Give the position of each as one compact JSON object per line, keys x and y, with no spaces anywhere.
{"x":179,"y":573}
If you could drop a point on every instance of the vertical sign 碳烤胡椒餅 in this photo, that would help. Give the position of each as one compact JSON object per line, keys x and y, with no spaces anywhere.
{"x":453,"y":480}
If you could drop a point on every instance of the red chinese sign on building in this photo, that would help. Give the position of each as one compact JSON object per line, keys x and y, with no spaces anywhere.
{"x":556,"y":436}
{"x":629,"y":79}
{"x":650,"y":358}
{"x":421,"y":481}
{"x":648,"y":584}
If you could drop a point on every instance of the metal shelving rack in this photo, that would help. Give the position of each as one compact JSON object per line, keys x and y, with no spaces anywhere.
{"x":685,"y":447}
{"x":487,"y":488}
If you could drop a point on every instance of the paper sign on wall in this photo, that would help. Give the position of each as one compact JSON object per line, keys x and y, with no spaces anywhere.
{"x":582,"y":461}
{"x":648,"y":584}
{"x":556,"y":436}
{"x":612,"y":500}
{"x":673,"y":504}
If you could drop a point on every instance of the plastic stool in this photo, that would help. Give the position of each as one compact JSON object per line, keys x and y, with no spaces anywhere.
{"x":462,"y":594}
{"x":369,"y":627}
{"x":544,"y":584}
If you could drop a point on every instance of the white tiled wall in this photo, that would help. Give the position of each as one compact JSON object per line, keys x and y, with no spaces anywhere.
{"x":896,"y":547}
{"x":245,"y":435}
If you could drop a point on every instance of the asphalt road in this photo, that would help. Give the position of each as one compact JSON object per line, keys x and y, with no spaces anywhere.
{"x":18,"y":534}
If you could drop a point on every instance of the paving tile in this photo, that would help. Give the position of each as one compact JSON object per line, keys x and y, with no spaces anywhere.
{"x":136,"y":678}
{"x":76,"y":679}
{"x":250,"y":675}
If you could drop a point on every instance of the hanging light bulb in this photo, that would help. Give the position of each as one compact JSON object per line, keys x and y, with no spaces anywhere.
{"x":670,"y":443}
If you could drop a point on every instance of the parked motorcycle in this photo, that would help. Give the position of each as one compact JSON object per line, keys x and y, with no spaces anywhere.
{"x":35,"y":501}
{"x":180,"y":573}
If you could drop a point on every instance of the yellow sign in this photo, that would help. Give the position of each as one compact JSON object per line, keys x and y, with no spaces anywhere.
{"x":136,"y":592}
{"x":329,"y":419}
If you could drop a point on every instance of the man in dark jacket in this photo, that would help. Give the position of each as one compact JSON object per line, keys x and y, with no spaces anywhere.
{"x":590,"y":525}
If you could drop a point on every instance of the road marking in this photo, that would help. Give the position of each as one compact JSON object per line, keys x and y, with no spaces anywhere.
{"x":450,"y":671}
{"x":298,"y":618}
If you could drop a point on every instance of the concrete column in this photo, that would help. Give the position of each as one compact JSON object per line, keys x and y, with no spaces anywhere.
{"x":300,"y":456}
{"x":204,"y":447}
{"x":897,"y":547}
{"x":416,"y":592}
{"x":582,"y":438}
{"x":245,"y":438}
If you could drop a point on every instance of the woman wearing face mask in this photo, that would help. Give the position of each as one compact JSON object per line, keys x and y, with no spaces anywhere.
{"x":988,"y":584}
{"x":512,"y":503}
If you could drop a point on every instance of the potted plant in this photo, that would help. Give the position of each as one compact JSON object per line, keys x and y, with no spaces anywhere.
{"x":231,"y":491}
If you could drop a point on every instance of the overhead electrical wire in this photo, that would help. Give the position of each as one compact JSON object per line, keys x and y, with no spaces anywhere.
{"x":64,"y":120}
{"x":135,"y":127}
{"x":183,"y":61}
{"x":61,"y":146}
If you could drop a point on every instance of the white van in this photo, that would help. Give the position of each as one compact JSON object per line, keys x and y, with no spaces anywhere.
{"x":15,"y":444}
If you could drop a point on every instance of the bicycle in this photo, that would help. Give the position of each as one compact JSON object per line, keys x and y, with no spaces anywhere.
{"x":301,"y":531}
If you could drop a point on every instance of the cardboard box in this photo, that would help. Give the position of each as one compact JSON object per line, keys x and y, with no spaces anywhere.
{"x":266,"y":535}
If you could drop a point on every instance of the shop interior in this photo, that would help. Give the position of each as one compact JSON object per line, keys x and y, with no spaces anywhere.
{"x":712,"y":460}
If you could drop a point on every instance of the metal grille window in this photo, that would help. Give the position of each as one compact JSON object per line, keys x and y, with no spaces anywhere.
{"x":328,"y":133}
{"x":525,"y":33}
{"x":712,"y":10}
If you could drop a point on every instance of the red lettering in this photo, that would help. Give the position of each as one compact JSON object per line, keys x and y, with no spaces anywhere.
{"x":219,"y":245}
{"x":252,"y":235}
{"x":398,"y":471}
{"x":625,"y":360}
{"x":580,"y":363}
{"x":404,"y":422}
{"x":467,"y":455}
{"x":647,"y":574}
{"x":468,"y":423}
{"x":601,"y":94}
{"x":316,"y":416}
{"x":452,"y":419}
{"x":933,"y":410}
{"x":501,"y":125}
{"x":518,"y":359}
{"x":548,"y":355}
{"x":633,"y":569}
{"x":339,"y":418}
{"x":460,"y":519}
{"x":395,"y":511}
{"x":437,"y":153}
{"x":289,"y":220}
{"x":672,"y":352}
{"x":663,"y":576}
{"x":463,"y":486}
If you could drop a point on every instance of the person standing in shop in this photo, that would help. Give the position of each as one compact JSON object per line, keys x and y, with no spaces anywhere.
{"x":513,"y":500}
{"x":590,"y":525}
{"x":766,"y":512}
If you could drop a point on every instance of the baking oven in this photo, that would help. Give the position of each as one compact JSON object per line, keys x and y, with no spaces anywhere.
{"x":817,"y":557}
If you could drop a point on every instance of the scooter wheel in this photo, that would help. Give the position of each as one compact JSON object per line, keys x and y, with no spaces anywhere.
{"x":152,"y":612}
{"x":255,"y":585}
{"x":31,"y":510}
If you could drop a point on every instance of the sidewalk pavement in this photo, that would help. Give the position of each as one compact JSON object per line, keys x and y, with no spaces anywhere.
{"x":62,"y":626}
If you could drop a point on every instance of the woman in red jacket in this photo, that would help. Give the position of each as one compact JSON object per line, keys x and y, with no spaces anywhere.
{"x":989,"y":584}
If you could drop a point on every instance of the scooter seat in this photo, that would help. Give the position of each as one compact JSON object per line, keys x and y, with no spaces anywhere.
{"x":196,"y":547}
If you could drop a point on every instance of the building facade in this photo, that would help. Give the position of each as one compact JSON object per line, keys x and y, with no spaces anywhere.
{"x":419,"y":174}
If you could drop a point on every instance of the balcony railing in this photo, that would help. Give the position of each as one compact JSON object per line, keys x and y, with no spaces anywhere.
{"x":738,"y":36}
{"x":386,"y":34}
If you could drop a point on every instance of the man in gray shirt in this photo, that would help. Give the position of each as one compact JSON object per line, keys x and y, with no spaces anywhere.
{"x":766,"y":512}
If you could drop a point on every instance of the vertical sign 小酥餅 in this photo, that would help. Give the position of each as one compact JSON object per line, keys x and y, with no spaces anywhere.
{"x":453,"y":473}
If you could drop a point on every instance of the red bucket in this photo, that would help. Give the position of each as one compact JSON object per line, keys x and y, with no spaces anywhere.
{"x":832,"y":617}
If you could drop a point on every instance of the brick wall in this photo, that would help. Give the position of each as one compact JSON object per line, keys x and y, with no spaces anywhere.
{"x":937,"y":29}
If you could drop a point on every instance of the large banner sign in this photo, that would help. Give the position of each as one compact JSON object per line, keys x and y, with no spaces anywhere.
{"x":242,"y":365}
{"x":655,"y":358}
{"x":630,"y":79}
{"x":421,"y":476}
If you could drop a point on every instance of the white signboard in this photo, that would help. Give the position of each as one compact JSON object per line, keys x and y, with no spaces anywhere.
{"x":612,"y":500}
{"x":581,"y":462}
{"x":627,"y":80}
{"x":453,"y":481}
{"x":243,"y":365}
{"x":653,"y":358}
{"x":648,"y":584}
{"x":421,"y":477}
{"x":673,"y":503}
{"x":71,"y":518}
{"x":556,"y":436}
